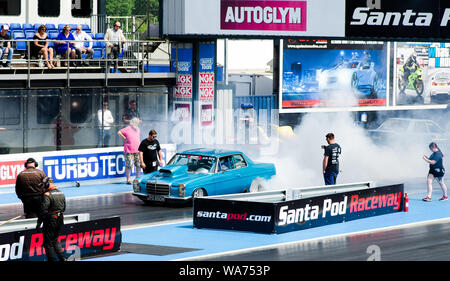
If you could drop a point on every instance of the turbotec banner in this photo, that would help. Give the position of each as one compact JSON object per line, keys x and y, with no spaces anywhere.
{"x":397,"y":19}
{"x":77,"y":240}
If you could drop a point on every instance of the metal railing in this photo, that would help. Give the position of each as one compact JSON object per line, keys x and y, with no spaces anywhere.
{"x":130,"y":54}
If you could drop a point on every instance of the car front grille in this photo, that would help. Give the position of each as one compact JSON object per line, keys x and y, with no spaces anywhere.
{"x":157,"y":188}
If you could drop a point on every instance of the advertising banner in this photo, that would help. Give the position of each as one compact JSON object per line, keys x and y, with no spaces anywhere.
{"x":77,"y":240}
{"x":183,"y":89}
{"x":422,"y":73}
{"x":254,"y":17}
{"x":106,"y":164}
{"x":292,"y":215}
{"x":397,"y":19}
{"x":206,"y":53}
{"x":333,"y":73}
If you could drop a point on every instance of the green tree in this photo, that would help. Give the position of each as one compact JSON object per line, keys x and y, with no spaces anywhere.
{"x":119,"y":7}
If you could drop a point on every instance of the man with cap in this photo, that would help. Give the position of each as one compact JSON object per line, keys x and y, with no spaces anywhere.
{"x":5,"y":47}
{"x":51,"y":214}
{"x":29,"y":188}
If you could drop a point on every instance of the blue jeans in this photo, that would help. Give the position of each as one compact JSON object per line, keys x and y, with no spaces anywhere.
{"x":10,"y":55}
{"x":330,"y":177}
{"x":106,"y":138}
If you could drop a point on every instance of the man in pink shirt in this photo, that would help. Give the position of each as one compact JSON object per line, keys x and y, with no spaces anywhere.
{"x":132,"y":138}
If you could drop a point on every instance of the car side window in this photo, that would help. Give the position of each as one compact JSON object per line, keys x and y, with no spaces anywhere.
{"x":239,"y":161}
{"x":433,"y":128}
{"x":420,"y":127}
{"x":225,"y":163}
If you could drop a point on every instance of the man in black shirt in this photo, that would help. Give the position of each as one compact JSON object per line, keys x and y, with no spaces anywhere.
{"x":150,"y":153}
{"x":330,"y":164}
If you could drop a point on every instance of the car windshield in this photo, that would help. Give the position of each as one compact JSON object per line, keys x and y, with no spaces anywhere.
{"x":195,"y":163}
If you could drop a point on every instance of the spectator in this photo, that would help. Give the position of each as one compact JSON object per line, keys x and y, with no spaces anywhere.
{"x":40,"y":46}
{"x":81,"y":36}
{"x":130,"y":112}
{"x":132,"y":138}
{"x":63,"y":45}
{"x":114,"y":39}
{"x":6,"y":45}
{"x":436,"y":171}
{"x":105,"y":119}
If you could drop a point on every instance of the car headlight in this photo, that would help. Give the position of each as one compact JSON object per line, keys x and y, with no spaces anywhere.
{"x":136,"y":186}
{"x":181,"y":190}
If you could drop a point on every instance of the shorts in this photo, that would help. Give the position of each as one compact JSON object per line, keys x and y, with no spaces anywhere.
{"x":437,"y":172}
{"x":130,"y":158}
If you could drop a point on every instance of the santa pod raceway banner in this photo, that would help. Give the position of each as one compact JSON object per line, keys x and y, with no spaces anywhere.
{"x":397,"y":19}
{"x":292,"y":215}
{"x":77,"y":240}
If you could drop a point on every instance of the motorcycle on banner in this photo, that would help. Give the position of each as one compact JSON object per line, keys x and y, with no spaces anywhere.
{"x":413,"y":82}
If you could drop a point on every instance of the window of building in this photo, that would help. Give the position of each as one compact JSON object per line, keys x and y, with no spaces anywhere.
{"x":80,"y":109}
{"x":81,"y":8}
{"x":47,"y":109}
{"x":9,"y":8}
{"x":49,"y":8}
{"x":9,"y":111}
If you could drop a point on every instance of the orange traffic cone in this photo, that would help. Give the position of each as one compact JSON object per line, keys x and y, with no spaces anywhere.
{"x":406,"y":203}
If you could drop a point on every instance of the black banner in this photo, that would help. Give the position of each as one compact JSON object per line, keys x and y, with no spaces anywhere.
{"x":78,"y":240}
{"x":291,"y":215}
{"x":407,"y":19}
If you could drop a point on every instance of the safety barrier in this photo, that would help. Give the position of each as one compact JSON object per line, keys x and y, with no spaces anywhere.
{"x":296,"y":209}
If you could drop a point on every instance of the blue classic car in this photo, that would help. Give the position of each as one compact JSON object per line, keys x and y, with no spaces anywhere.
{"x":202,"y":172}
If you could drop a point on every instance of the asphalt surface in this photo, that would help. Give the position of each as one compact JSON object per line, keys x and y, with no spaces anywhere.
{"x":426,"y":241}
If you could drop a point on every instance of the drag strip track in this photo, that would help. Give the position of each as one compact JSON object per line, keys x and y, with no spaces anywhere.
{"x":418,"y":242}
{"x":132,"y":211}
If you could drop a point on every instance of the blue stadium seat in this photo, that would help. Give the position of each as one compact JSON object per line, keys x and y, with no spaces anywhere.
{"x":50,"y":26}
{"x":15,"y":26}
{"x":29,"y":34}
{"x":52,"y":34}
{"x":100,"y":36}
{"x":73,"y":27}
{"x":98,"y":53}
{"x":98,"y":45}
{"x":20,"y":45}
{"x":61,"y":26}
{"x":36,"y":26}
{"x":27,"y":26}
{"x":86,"y":28}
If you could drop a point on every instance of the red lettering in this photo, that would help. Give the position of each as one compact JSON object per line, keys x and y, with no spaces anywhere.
{"x":354,"y":203}
{"x":109,"y":239}
{"x":71,"y":239}
{"x":98,"y":237}
{"x":36,"y":244}
{"x":366,"y":206}
{"x":84,"y":239}
{"x":382,"y":201}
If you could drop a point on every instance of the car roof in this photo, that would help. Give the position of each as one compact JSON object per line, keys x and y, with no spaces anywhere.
{"x":211,"y":152}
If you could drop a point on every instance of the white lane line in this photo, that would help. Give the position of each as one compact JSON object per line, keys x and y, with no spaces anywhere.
{"x":227,"y":253}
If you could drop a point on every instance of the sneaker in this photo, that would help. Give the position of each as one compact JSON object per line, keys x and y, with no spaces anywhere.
{"x":444,"y":198}
{"x":427,"y":199}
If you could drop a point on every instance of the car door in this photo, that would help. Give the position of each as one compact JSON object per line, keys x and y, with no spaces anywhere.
{"x":227,"y":177}
{"x":244,"y":174}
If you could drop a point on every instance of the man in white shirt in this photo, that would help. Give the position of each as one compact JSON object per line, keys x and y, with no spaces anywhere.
{"x":105,"y":120}
{"x":80,"y":48}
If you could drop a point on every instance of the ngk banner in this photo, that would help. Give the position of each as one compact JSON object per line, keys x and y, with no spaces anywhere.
{"x":77,"y":240}
{"x":397,"y":19}
{"x":292,"y":215}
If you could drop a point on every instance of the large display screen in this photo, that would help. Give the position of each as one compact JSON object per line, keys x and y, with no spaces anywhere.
{"x":422,"y":73}
{"x":333,"y":73}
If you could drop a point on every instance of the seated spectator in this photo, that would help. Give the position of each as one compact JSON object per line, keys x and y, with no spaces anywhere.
{"x":114,"y":39}
{"x":40,"y":46}
{"x":64,"y":46}
{"x":81,"y":36}
{"x":5,"y":45}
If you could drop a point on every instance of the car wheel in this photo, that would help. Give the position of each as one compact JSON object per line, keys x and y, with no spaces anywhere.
{"x":256,"y":186}
{"x":198,"y":192}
